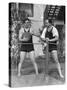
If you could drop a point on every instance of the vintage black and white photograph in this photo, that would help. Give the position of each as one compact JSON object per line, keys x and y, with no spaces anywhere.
{"x":36,"y":44}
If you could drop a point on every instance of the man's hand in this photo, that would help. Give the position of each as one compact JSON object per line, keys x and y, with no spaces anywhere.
{"x":24,"y":39}
{"x":47,"y":40}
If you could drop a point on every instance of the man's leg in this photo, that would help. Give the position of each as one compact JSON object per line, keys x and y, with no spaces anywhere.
{"x":22,"y":57}
{"x":55,"y":57}
{"x":32,"y":57}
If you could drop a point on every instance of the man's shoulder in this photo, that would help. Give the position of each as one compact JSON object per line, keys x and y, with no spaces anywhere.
{"x":55,"y":31}
{"x":22,"y":28}
{"x":54,"y":27}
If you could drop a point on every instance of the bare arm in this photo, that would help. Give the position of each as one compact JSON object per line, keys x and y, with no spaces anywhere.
{"x":43,"y":35}
{"x":21,"y":35}
{"x":54,"y":39}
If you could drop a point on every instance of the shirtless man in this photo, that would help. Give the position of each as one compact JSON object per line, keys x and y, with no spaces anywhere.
{"x":26,"y":46}
{"x":50,"y":35}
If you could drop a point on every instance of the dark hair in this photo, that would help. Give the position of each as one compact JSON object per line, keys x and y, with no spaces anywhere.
{"x":50,"y":21}
{"x":27,"y":20}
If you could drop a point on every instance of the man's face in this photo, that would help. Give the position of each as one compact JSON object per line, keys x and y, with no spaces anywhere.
{"x":47,"y":23}
{"x":27,"y":24}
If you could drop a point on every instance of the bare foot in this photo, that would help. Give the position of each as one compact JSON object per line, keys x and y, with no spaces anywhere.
{"x":19,"y":74}
{"x":61,"y":76}
{"x":37,"y":74}
{"x":47,"y":79}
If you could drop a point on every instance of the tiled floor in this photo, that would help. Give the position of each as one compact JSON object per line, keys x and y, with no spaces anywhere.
{"x":33,"y":80}
{"x":28,"y":77}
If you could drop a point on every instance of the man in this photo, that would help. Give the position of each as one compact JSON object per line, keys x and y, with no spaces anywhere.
{"x":50,"y":35}
{"x":25,"y":36}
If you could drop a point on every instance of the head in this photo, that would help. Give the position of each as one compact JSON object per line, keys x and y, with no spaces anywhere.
{"x":48,"y":22}
{"x":27,"y":23}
